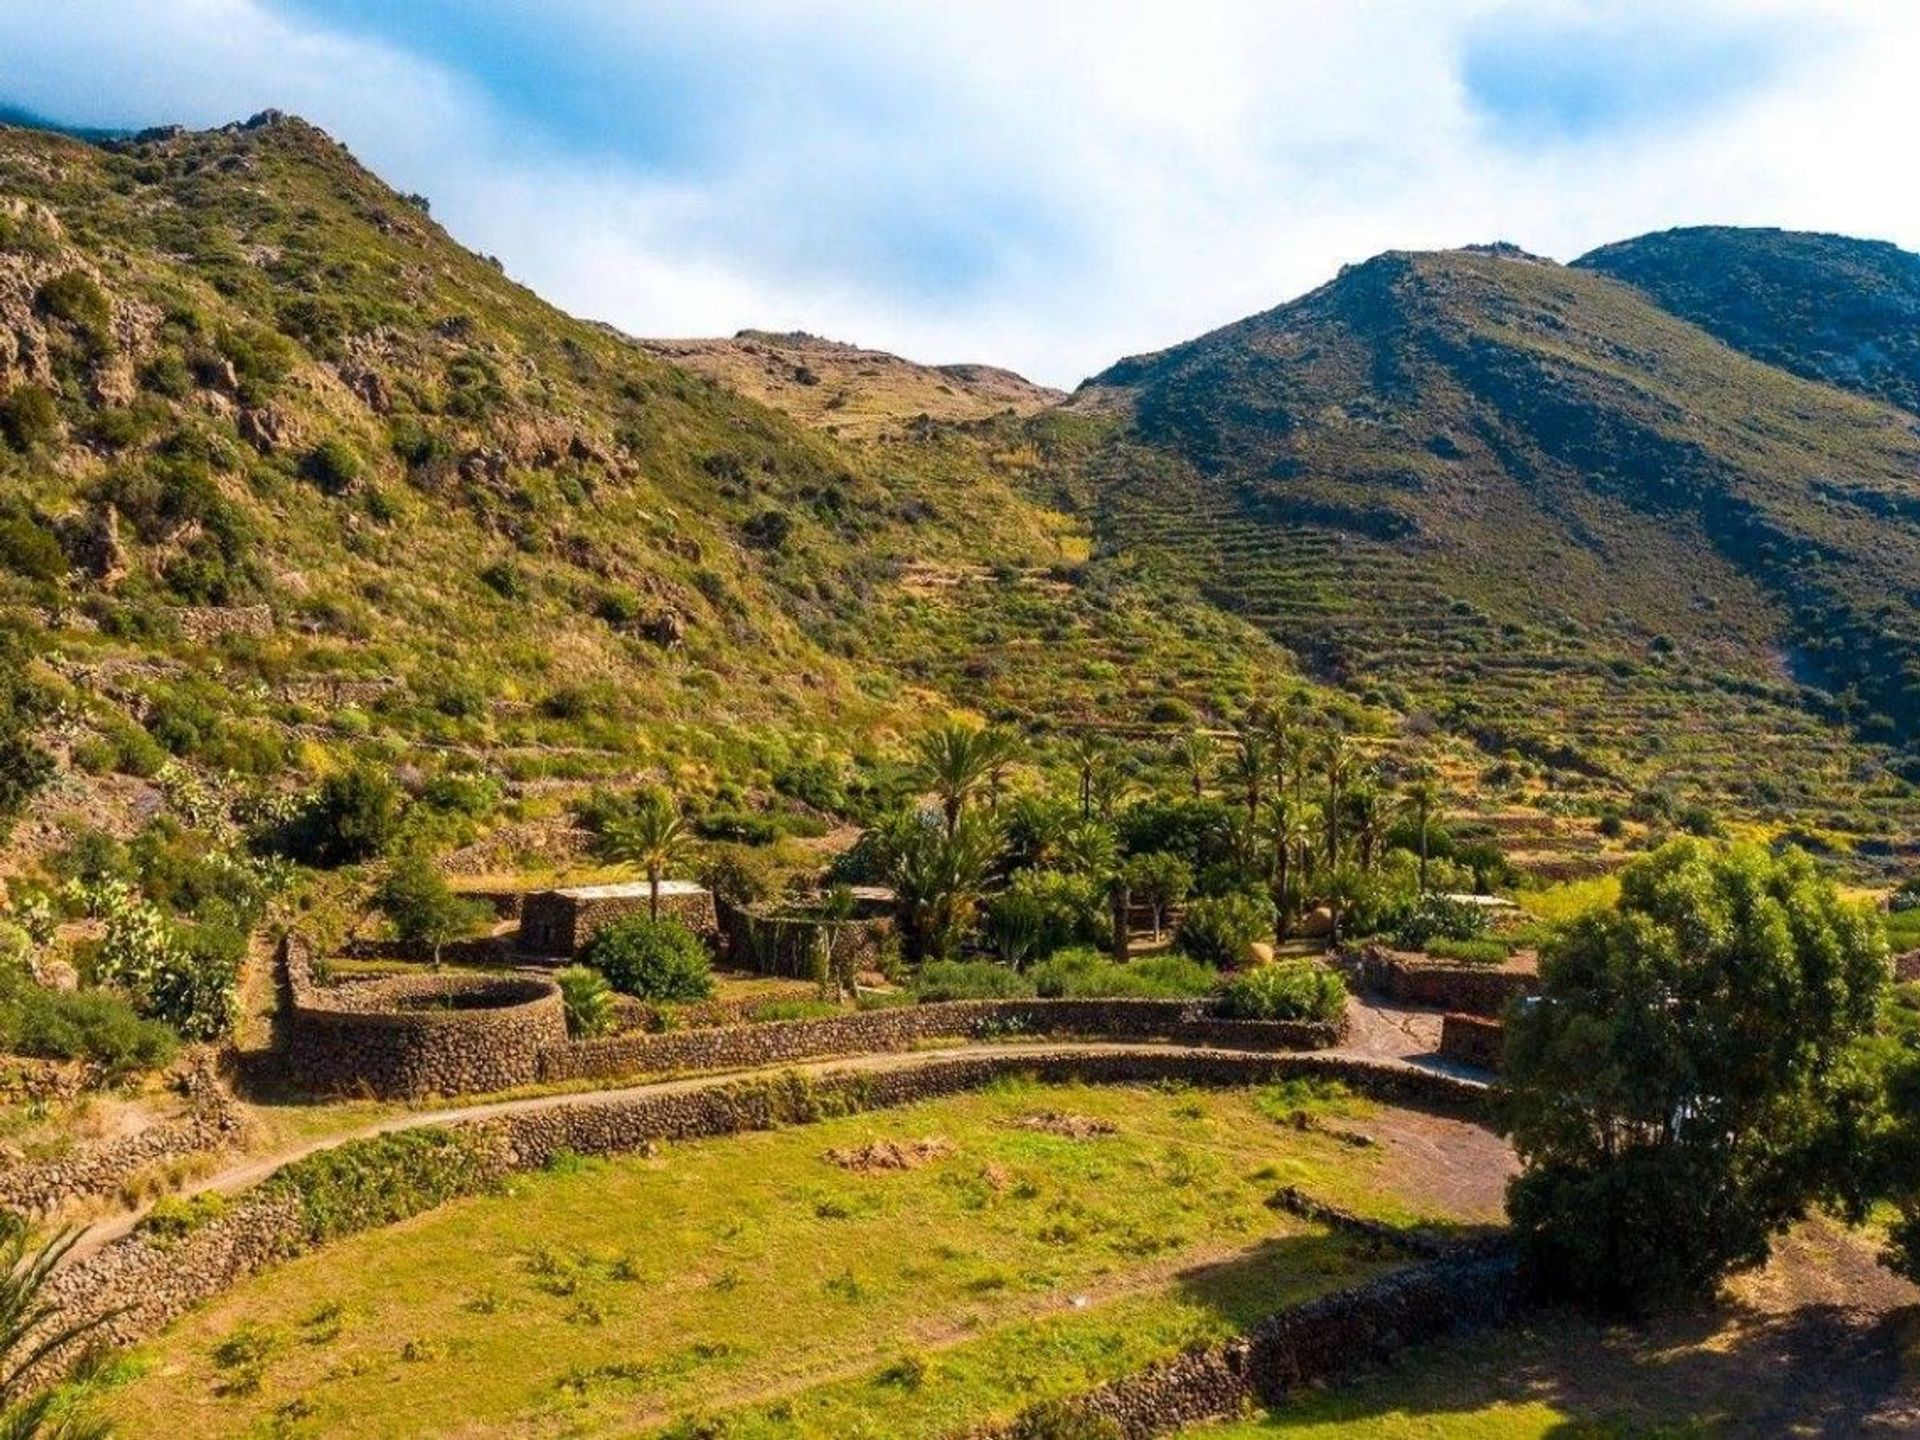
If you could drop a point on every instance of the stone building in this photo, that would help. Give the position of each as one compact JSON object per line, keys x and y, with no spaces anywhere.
{"x":560,"y":922}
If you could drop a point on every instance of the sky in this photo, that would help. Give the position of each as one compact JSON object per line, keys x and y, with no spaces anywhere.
{"x":1042,"y":184}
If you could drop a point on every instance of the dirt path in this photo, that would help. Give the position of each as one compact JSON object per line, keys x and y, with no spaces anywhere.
{"x":1376,"y":1033}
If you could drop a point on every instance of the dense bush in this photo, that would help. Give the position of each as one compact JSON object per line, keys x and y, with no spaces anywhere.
{"x":94,"y":1025}
{"x":29,"y":418}
{"x":1286,"y":990}
{"x":1469,"y":952}
{"x":334,"y":465}
{"x":1439,"y":917}
{"x":383,"y":1179}
{"x":1222,"y":931}
{"x":651,"y":959}
{"x":352,"y":817}
{"x":588,"y":1001}
{"x":970,"y":980}
{"x":1089,"y":975}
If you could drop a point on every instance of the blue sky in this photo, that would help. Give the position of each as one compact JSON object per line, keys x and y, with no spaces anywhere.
{"x":1047,"y":184}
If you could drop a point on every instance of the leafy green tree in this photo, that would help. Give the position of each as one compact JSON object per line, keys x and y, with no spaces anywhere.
{"x":1289,"y":839}
{"x":416,"y":899}
{"x":1680,"y":1089}
{"x":652,"y":959}
{"x":1160,"y":881}
{"x":937,"y":879}
{"x":352,"y":817}
{"x":31,"y":1332}
{"x":652,"y":837}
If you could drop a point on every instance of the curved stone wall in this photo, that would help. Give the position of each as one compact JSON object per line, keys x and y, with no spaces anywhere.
{"x":419,"y":1035}
{"x":901,"y":1027}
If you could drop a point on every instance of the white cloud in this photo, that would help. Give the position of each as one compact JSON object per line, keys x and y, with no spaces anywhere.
{"x":1042,"y":185}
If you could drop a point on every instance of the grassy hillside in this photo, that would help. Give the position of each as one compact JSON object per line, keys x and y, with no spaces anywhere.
{"x":287,"y":473}
{"x":1521,"y":500}
{"x":1824,"y":306}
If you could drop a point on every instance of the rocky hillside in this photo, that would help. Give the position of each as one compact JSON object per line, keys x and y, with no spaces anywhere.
{"x":849,"y":391}
{"x":1824,"y":306}
{"x":286,"y":474}
{"x":1527,"y":502}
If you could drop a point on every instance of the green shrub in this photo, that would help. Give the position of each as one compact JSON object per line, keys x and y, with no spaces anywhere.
{"x":94,"y":1025}
{"x":423,"y":910}
{"x":588,"y":1000}
{"x":1469,"y":952}
{"x":352,"y":817}
{"x":364,"y":1184}
{"x":1440,"y":917}
{"x":1063,"y":1420}
{"x":1222,"y":932}
{"x":174,"y":1217}
{"x":1289,"y":990}
{"x":30,"y":549}
{"x":651,"y":959}
{"x":334,"y":465}
{"x":1088,"y":974}
{"x":29,"y":418}
{"x":970,"y":980}
{"x":76,"y":298}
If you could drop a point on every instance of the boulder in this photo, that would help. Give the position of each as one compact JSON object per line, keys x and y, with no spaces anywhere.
{"x":1316,"y":924}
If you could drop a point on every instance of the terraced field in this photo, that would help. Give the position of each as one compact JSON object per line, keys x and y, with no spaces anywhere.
{"x":786,"y":1283}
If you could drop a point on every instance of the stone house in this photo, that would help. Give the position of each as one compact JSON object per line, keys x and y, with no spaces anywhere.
{"x":560,"y":922}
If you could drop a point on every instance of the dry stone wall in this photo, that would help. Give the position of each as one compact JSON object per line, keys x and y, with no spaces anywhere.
{"x":902,"y":1027}
{"x":141,"y":1283}
{"x":212,"y":1122}
{"x":1472,"y":1040}
{"x":1306,"y":1345}
{"x":1416,"y":980}
{"x":418,"y":1035}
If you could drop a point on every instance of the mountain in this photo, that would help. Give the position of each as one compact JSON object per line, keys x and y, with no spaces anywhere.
{"x":1523,"y":500}
{"x":287,"y":475}
{"x":1824,"y":306}
{"x":850,"y":391}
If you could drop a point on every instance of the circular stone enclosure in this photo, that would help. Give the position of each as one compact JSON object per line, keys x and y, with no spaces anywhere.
{"x":418,"y":1035}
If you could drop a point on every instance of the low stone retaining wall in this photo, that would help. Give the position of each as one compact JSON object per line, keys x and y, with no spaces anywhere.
{"x":417,"y":1035}
{"x":1306,"y":1345}
{"x":901,"y":1027}
{"x":1416,"y":980}
{"x":212,"y":1123}
{"x":1472,"y":1040}
{"x":141,"y":1284}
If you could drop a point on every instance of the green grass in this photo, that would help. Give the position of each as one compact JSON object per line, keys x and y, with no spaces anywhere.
{"x":750,"y":1275}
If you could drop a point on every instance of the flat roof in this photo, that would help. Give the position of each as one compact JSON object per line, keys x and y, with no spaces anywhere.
{"x":632,"y":890}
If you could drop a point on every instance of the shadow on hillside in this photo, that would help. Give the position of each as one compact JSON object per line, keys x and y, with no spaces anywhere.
{"x":1826,"y":1371}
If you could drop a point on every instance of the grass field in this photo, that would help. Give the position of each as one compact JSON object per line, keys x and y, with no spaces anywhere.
{"x":757,"y":1277}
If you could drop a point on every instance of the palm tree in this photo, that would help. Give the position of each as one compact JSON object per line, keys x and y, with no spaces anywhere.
{"x":1090,"y":755}
{"x":957,"y":761}
{"x":1193,"y":753}
{"x":1367,"y":809}
{"x":1110,"y":786}
{"x":937,"y":878}
{"x":32,"y":1333}
{"x":1246,"y":769}
{"x":1421,"y":800}
{"x":1287,"y":831}
{"x":1294,"y":753}
{"x":1337,"y":761}
{"x":652,"y":838}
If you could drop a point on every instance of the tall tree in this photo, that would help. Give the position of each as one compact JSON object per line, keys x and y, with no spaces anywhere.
{"x":1421,"y":801}
{"x":937,"y":878}
{"x":957,"y":761}
{"x":1287,"y":833}
{"x":1367,"y":811}
{"x":652,"y":838}
{"x":1246,"y":769}
{"x":1090,"y":755}
{"x":1338,"y":760}
{"x":1681,"y":1089}
{"x":1194,"y":753}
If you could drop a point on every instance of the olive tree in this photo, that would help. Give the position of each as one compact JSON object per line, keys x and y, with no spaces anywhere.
{"x":1679,"y":1090}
